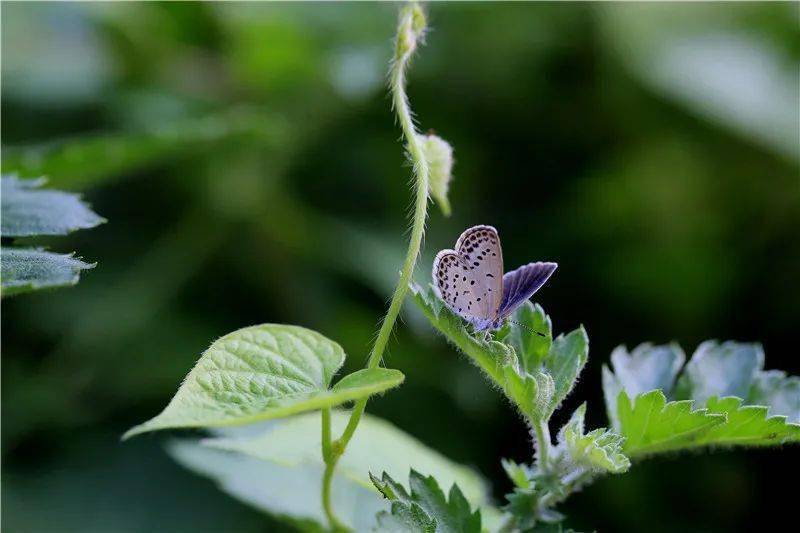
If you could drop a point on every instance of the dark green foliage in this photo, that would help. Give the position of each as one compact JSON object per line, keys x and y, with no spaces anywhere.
{"x":425,"y":508}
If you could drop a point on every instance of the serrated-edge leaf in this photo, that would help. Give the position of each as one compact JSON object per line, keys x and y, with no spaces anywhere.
{"x":490,"y":356}
{"x":648,"y":367}
{"x":611,"y":389}
{"x":441,"y":514}
{"x":252,"y":374}
{"x":531,"y":335}
{"x":781,"y":393}
{"x":720,"y":369}
{"x":598,"y":450}
{"x":747,"y":425}
{"x":566,"y":359}
{"x":651,"y":425}
{"x":28,"y":210}
{"x":30,"y":269}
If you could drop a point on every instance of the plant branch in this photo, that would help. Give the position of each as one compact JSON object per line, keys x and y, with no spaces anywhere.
{"x":410,"y":30}
{"x":543,"y":444}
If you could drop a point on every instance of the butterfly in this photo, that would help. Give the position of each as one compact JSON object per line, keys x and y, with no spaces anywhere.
{"x":471,"y":282}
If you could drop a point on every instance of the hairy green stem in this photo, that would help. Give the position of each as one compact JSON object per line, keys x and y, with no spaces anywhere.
{"x":543,"y":444}
{"x":410,"y":30}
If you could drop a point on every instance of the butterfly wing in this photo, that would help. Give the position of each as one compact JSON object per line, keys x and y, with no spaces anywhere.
{"x":522,"y":283}
{"x":469,"y":278}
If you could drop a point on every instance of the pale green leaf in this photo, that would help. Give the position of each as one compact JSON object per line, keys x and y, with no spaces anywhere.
{"x":439,"y":155}
{"x":781,"y":393}
{"x":425,"y":507}
{"x":278,"y":468}
{"x":288,"y":492}
{"x":28,"y":210}
{"x":644,"y":369}
{"x":651,"y":425}
{"x":28,"y":269}
{"x":726,"y":369}
{"x":566,"y":359}
{"x":531,"y":335}
{"x":598,"y":450}
{"x":377,"y":445}
{"x":264,"y":372}
{"x":648,"y":367}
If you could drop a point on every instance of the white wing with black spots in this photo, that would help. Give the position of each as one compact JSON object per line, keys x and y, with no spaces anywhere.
{"x":469,"y":278}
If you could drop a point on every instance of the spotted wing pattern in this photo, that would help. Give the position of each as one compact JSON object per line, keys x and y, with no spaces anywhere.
{"x":469,"y":278}
{"x":522,"y":283}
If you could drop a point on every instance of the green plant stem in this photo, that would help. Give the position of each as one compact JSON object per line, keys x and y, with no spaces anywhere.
{"x":421,"y":186}
{"x":543,"y":444}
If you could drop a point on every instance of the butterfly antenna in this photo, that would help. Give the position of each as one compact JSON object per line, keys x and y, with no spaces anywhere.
{"x":528,"y":328}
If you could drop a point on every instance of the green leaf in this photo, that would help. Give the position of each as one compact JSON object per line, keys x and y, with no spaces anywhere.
{"x":644,"y":369}
{"x":290,"y":493}
{"x":263,"y":372}
{"x":85,"y":161}
{"x":565,"y":361}
{"x":598,"y":450}
{"x":491,"y":356}
{"x":526,"y":324}
{"x":747,"y":425}
{"x":537,"y":392}
{"x":425,"y":508}
{"x":726,"y":369}
{"x":366,"y":382}
{"x":519,"y":474}
{"x":439,"y":155}
{"x":28,"y":210}
{"x":781,"y":393}
{"x":279,"y":468}
{"x":651,"y":425}
{"x":28,"y":269}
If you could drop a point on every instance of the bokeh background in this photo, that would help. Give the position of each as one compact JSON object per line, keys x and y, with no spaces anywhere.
{"x":248,"y":164}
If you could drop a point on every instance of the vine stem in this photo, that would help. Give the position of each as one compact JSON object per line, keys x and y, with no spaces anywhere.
{"x":409,"y":31}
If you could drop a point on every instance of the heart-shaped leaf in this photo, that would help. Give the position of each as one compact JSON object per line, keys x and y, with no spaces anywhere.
{"x":263,"y":372}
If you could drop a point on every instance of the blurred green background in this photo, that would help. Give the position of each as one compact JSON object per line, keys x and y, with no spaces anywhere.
{"x":247,"y":160}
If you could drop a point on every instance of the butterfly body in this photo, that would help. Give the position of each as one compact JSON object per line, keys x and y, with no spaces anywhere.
{"x":470,"y":279}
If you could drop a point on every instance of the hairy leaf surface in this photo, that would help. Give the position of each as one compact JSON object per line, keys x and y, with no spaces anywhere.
{"x":29,"y":269}
{"x":651,"y":425}
{"x":425,"y":507}
{"x":28,"y":210}
{"x":715,"y":369}
{"x":599,"y":450}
